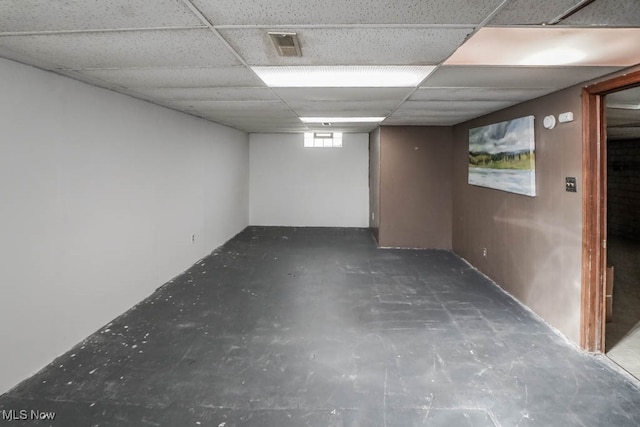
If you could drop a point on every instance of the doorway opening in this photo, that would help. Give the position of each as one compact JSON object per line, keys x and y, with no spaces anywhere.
{"x":595,"y":219}
{"x":622,"y":301}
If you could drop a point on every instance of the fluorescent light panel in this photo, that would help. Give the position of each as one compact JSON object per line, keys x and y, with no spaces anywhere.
{"x":343,"y":76}
{"x":342,"y":119}
{"x":545,"y":46}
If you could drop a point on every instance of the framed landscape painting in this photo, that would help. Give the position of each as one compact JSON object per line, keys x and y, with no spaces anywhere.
{"x":502,"y":156}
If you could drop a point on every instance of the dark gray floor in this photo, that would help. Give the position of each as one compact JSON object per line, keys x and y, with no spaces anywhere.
{"x":316,"y":327}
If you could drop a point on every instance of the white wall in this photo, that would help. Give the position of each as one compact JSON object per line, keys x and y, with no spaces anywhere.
{"x":296,"y":186}
{"x":100,"y":195}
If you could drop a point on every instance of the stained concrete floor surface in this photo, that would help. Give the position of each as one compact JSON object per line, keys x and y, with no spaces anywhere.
{"x":317,"y":327}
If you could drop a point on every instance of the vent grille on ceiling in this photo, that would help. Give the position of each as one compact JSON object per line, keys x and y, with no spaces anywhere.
{"x":286,"y":43}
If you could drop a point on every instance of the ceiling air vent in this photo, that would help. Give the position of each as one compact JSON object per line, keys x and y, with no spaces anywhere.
{"x":286,"y":43}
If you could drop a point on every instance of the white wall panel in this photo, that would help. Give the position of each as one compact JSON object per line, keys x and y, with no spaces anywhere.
{"x":100,"y":197}
{"x":296,"y":186}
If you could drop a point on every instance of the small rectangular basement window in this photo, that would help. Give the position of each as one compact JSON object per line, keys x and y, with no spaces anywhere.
{"x":323,"y":139}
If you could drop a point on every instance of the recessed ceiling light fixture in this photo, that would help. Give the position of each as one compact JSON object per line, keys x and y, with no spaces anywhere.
{"x":557,"y":56}
{"x":550,"y":46}
{"x":343,"y":76}
{"x":342,"y":119}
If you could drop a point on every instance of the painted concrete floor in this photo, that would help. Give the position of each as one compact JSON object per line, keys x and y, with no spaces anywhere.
{"x":316,"y":327}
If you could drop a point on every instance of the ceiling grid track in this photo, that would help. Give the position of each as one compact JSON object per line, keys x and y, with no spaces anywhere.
{"x":212,"y":58}
{"x":481,"y":25}
{"x":211,"y":27}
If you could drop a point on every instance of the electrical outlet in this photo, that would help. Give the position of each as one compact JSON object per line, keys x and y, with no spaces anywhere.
{"x":193,"y":238}
{"x":484,"y":252}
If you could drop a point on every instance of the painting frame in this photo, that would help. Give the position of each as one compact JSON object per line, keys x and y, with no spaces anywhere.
{"x":502,"y":156}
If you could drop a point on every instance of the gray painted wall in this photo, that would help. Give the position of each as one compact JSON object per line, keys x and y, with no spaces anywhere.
{"x":101,"y":195}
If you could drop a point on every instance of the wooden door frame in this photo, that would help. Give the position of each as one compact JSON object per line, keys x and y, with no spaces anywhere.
{"x":594,"y":208}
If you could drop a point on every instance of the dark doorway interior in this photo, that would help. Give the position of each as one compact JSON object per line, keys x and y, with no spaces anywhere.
{"x":623,"y":227}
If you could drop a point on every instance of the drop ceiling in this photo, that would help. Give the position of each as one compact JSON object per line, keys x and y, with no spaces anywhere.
{"x":196,"y":56}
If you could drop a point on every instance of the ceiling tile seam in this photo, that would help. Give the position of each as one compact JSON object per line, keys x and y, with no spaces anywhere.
{"x":187,"y":67}
{"x":486,"y":87}
{"x":343,"y":26}
{"x":33,"y":62}
{"x":564,"y":26}
{"x":78,"y":76}
{"x":128,"y":92}
{"x":206,"y":118}
{"x":196,"y":87}
{"x":567,"y":13}
{"x":85,"y":79}
{"x":540,"y":67}
{"x":97,"y":31}
{"x":224,"y":101}
{"x":484,"y":22}
{"x":205,"y":20}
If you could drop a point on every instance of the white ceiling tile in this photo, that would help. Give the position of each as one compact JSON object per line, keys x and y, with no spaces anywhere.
{"x":424,"y":121}
{"x":256,"y":119}
{"x":195,"y":72}
{"x":178,"y":77}
{"x":444,"y":117}
{"x":454,"y":107}
{"x":344,"y":108}
{"x":354,"y":46}
{"x":47,"y":15}
{"x":609,"y":13}
{"x":124,"y":49}
{"x":477,"y":94}
{"x":521,"y":12}
{"x":510,"y":77}
{"x":290,"y":12}
{"x":253,"y":122}
{"x":345,"y":127}
{"x":267,"y":108}
{"x":18,"y":56}
{"x":341,"y":94}
{"x":209,"y":94}
{"x":447,"y":112}
{"x":274,"y":129}
{"x":92,"y":80}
